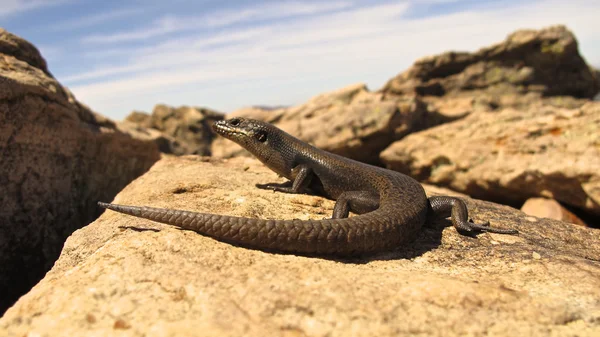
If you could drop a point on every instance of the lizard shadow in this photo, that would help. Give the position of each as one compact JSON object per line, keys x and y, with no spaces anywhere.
{"x":140,"y":229}
{"x":428,"y":239}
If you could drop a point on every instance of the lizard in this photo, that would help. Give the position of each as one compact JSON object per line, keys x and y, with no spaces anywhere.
{"x":390,"y":207}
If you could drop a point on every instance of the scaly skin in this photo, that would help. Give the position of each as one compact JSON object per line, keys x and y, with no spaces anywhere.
{"x":392,"y":206}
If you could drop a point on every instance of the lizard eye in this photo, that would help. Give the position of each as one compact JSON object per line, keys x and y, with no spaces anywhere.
{"x":234,"y":122}
{"x":261,"y":136}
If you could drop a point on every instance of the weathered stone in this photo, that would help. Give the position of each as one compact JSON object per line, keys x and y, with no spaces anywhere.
{"x":130,"y":276}
{"x":551,"y":209}
{"x":140,"y":118}
{"x":165,"y":143}
{"x":58,"y":159}
{"x":351,"y":121}
{"x":21,"y":49}
{"x":187,"y":128}
{"x":546,"y":62}
{"x":453,"y":107}
{"x":511,"y":155}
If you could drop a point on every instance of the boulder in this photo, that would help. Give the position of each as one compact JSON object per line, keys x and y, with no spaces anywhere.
{"x":511,"y":155}
{"x":58,"y":159}
{"x":351,"y":121}
{"x":545,"y":62}
{"x":140,"y":119}
{"x":165,"y":143}
{"x":22,"y":50}
{"x":529,"y":66}
{"x":187,"y":130}
{"x":129,"y":276}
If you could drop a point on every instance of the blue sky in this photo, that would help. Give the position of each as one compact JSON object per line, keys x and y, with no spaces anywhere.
{"x":119,"y":56}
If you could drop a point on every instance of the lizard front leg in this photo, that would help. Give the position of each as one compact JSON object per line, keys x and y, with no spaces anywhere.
{"x":301,"y":178}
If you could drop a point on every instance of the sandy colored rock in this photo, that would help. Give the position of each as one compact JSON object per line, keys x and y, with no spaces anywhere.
{"x":22,"y":50}
{"x":545,"y":61}
{"x":58,"y":159}
{"x":510,"y":155}
{"x":533,"y":74}
{"x":186,"y":130}
{"x":551,"y":209}
{"x":139,"y":118}
{"x":528,"y":67}
{"x":132,"y":277}
{"x":267,"y":115}
{"x":165,"y":143}
{"x":351,"y":121}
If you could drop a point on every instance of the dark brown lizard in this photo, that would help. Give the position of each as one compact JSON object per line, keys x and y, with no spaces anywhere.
{"x":392,"y":206}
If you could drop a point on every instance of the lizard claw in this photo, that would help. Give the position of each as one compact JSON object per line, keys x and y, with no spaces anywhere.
{"x":485,"y":227}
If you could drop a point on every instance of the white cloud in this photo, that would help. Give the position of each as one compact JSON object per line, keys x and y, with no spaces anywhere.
{"x":170,"y":24}
{"x":50,"y":52}
{"x":188,"y":50}
{"x":285,"y":63}
{"x":243,"y":44}
{"x":11,"y":7}
{"x":96,"y":19}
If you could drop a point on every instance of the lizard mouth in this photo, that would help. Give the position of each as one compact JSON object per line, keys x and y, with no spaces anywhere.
{"x":226,"y":130}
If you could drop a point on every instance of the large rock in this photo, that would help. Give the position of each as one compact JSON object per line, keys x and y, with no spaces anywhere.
{"x":515,"y":147}
{"x":545,"y":62}
{"x":129,"y":276}
{"x":511,"y":155}
{"x":518,"y":72}
{"x":187,"y":130}
{"x":58,"y":159}
{"x":351,"y":121}
{"x":22,"y":50}
{"x":165,"y":143}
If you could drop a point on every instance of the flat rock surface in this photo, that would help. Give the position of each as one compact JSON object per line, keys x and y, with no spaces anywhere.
{"x":350,"y":121}
{"x":126,"y":276}
{"x":510,"y":155}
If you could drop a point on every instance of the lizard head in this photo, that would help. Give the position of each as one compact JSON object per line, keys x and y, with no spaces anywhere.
{"x":266,"y":142}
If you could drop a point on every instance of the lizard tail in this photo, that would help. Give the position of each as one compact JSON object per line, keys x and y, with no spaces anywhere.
{"x":359,"y":235}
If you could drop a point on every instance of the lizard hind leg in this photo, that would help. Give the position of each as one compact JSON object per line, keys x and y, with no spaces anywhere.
{"x":456,"y":208}
{"x":359,"y":202}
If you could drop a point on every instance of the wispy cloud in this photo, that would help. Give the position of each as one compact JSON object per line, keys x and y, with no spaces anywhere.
{"x":117,"y":57}
{"x":170,"y":24}
{"x":95,"y":19}
{"x":242,"y":44}
{"x":11,"y":7}
{"x":188,"y":50}
{"x":362,"y":43}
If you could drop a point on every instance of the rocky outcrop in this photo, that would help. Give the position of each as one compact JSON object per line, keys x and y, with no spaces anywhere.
{"x":22,"y":50}
{"x":124,"y":275}
{"x":58,"y":159}
{"x":543,"y":62}
{"x":351,"y":121}
{"x":165,"y":143}
{"x":527,"y":67}
{"x":511,"y":155}
{"x":185,"y":130}
{"x":530,"y":130}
